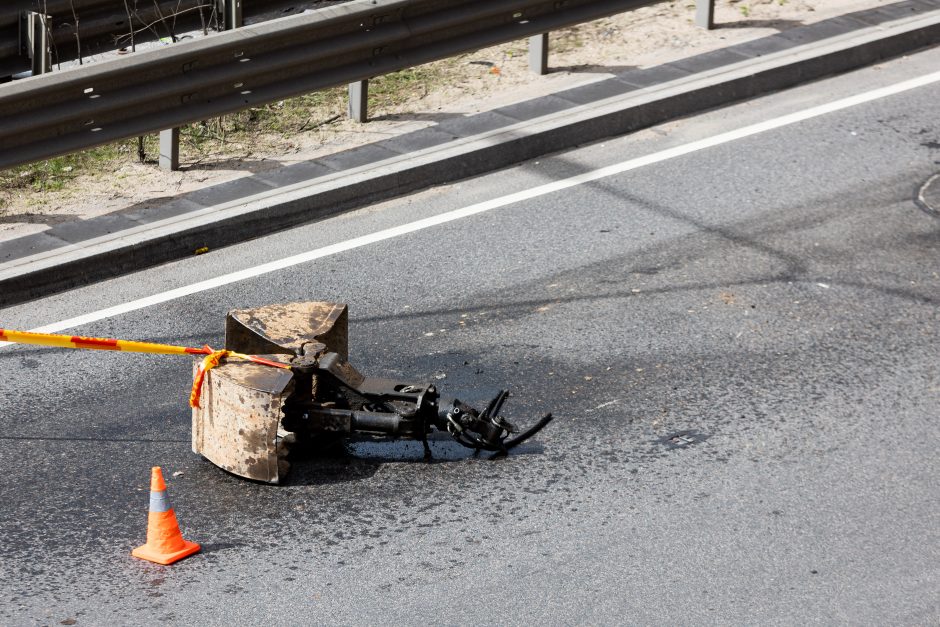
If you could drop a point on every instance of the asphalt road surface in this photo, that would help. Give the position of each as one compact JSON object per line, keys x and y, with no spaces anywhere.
{"x":740,"y":344}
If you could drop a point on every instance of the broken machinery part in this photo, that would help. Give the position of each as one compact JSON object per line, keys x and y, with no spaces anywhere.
{"x":251,"y":413}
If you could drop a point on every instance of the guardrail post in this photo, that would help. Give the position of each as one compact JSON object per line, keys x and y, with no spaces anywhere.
{"x":705,"y":14}
{"x":358,"y":109}
{"x":37,"y":41}
{"x":231,"y":11}
{"x":538,"y":54}
{"x":170,"y":149}
{"x":232,"y":18}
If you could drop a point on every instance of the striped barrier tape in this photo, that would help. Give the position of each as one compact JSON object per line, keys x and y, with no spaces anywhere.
{"x":213,"y":357}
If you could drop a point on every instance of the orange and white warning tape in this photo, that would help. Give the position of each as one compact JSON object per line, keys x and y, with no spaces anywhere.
{"x":213,"y":357}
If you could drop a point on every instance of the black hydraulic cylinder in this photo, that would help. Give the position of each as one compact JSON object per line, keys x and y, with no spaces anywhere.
{"x":352,"y":421}
{"x":372,"y":422}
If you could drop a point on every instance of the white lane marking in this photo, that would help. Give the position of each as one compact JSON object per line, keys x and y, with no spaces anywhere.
{"x":489,"y":205}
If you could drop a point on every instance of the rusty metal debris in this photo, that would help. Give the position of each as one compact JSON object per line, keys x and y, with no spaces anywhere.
{"x":251,"y":414}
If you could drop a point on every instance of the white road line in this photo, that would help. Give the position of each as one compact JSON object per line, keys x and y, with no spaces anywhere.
{"x":489,"y":205}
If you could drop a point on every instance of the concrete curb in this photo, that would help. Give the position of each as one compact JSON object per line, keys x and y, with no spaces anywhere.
{"x":177,"y":237}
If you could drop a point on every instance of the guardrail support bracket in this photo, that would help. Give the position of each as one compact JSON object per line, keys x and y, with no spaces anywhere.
{"x":358,"y":109}
{"x":538,"y":54}
{"x":705,"y":14}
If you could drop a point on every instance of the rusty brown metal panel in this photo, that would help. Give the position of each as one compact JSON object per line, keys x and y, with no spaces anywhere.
{"x":236,"y":427}
{"x":286,"y":328}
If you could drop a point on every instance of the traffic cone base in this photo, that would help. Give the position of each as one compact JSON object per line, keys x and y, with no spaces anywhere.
{"x":165,"y":543}
{"x":146,"y":553}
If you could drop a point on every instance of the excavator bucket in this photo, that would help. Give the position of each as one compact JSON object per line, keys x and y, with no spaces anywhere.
{"x":238,"y":425}
{"x":251,"y":410}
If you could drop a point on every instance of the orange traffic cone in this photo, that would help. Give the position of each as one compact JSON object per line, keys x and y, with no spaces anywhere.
{"x":165,"y":543}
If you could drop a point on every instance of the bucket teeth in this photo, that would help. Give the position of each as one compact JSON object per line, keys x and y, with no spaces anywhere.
{"x":285,"y":440}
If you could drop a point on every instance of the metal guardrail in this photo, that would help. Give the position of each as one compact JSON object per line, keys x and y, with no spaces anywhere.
{"x":101,"y":26}
{"x":80,"y":28}
{"x":63,"y":112}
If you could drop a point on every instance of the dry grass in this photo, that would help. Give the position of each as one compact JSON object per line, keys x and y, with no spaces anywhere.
{"x":259,"y":130}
